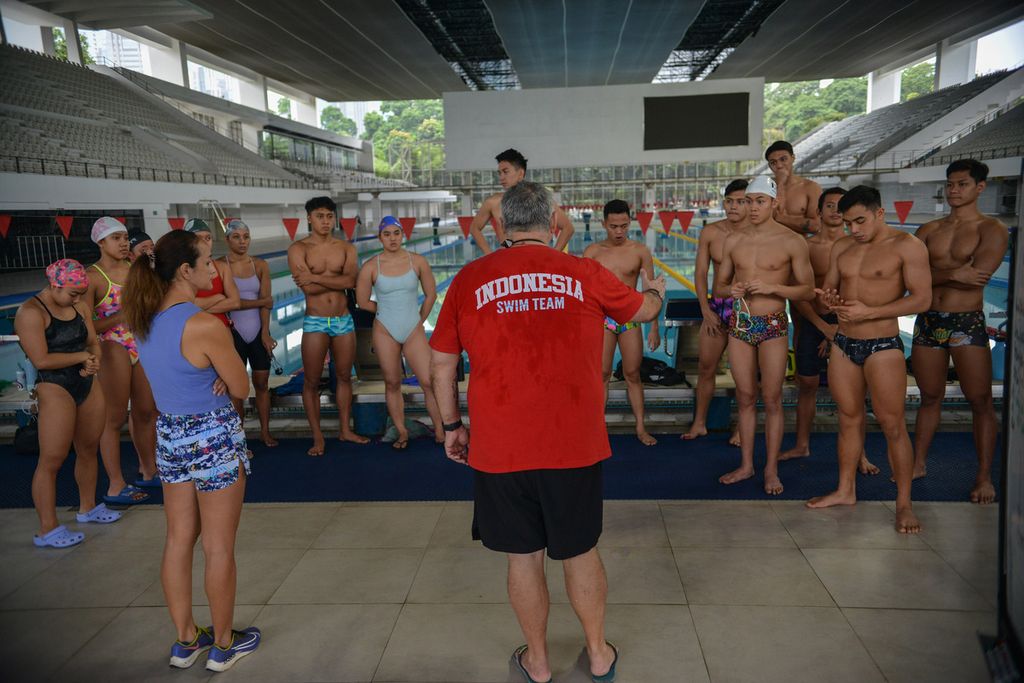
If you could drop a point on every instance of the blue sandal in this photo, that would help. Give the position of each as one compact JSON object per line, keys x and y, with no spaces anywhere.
{"x":153,"y":483}
{"x":517,"y":662}
{"x":130,"y":495}
{"x":59,"y":538}
{"x":100,"y":514}
{"x":609,"y":676}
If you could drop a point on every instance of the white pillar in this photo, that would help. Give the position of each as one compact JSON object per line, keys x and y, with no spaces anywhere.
{"x":71,"y":38}
{"x":376,"y":210}
{"x":883,"y":89}
{"x":304,"y":111}
{"x":955,"y":64}
{"x":253,"y":93}
{"x":169,"y":63}
{"x":46,"y":40}
{"x":467,"y":204}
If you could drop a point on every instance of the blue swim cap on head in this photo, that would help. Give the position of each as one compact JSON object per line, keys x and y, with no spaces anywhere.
{"x":388,"y":221}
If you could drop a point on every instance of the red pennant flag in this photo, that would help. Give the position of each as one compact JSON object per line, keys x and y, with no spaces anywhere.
{"x":464,"y":223}
{"x":494,"y":222}
{"x":408,"y":223}
{"x":903,"y":210}
{"x":684,"y":219}
{"x":65,"y":225}
{"x":291,"y":225}
{"x":122,"y":219}
{"x":349,"y":226}
{"x":644,"y":219}
{"x":176,"y":222}
{"x":666,"y":218}
{"x":5,"y":224}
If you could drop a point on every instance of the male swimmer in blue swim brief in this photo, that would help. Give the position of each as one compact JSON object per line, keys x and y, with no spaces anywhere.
{"x":323,"y":267}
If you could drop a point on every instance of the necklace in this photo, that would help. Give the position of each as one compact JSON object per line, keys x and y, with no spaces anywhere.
{"x":511,"y":243}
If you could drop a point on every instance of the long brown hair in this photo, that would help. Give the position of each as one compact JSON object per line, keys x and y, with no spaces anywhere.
{"x":150,"y":277}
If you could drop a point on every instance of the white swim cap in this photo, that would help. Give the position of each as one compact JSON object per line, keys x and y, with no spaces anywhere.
{"x":762,"y":184}
{"x":106,"y":226}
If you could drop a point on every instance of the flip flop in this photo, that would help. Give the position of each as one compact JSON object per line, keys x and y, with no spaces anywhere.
{"x":400,"y":444}
{"x":100,"y":514}
{"x":129,"y":495}
{"x":59,"y":538}
{"x":608,"y":677}
{"x":517,"y":662}
{"x":153,"y":483}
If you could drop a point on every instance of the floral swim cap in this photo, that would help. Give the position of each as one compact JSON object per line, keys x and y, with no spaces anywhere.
{"x":67,"y":272}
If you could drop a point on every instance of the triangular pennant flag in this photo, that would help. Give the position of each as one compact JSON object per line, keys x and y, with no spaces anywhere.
{"x":65,"y":225}
{"x":408,"y":223}
{"x":291,"y":225}
{"x":684,"y":219}
{"x":644,"y":219}
{"x":666,"y":218}
{"x":5,"y":224}
{"x":494,"y":222}
{"x":349,"y":226}
{"x":176,"y":222}
{"x":464,"y":223}
{"x":122,"y":219}
{"x":903,"y":210}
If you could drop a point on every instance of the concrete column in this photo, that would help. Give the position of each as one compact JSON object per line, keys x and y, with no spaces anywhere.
{"x":169,"y":63}
{"x":71,"y":38}
{"x":305,"y":111}
{"x":46,"y":39}
{"x":253,"y":93}
{"x":883,"y":89}
{"x":955,"y":64}
{"x":467,"y":204}
{"x":376,"y":210}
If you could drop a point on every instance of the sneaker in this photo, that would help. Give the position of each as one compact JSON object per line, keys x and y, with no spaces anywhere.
{"x":242,"y":643}
{"x":184,"y":655}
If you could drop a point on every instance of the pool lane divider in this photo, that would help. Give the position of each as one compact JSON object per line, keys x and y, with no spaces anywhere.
{"x":675,"y":275}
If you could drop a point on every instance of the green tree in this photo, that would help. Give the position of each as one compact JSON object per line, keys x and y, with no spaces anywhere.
{"x":284,"y":107}
{"x":792,"y":110}
{"x":406,"y":131}
{"x":60,"y":47}
{"x":917,"y":80}
{"x":333,"y":120}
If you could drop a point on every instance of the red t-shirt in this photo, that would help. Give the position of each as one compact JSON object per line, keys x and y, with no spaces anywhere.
{"x":532,"y":320}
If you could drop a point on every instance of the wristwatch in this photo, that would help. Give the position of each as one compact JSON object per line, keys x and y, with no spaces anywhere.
{"x":452,"y":426}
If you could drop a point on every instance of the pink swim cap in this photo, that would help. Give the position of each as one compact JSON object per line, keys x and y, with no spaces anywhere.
{"x":67,"y":273}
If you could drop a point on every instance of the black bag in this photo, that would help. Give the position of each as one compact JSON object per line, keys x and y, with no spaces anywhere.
{"x":654,"y":371}
{"x":26,"y":439}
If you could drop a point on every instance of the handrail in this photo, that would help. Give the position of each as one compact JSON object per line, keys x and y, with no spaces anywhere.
{"x":675,"y":275}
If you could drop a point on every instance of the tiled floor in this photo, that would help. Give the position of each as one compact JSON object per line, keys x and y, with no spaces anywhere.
{"x":699,"y":591}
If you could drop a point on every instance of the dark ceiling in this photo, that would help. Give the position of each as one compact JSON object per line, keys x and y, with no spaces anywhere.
{"x":351,"y":50}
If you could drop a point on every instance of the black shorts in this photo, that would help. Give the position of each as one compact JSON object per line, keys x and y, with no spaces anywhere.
{"x":523,"y":512}
{"x":252,"y":352}
{"x":809,"y":338}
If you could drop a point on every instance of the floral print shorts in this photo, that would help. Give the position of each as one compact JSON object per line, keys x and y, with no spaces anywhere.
{"x":206,"y":449}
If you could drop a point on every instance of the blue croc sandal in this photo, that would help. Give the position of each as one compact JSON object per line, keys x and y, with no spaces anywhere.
{"x":130,"y":495}
{"x":59,"y":538}
{"x":517,"y":662}
{"x":608,"y":677}
{"x":153,"y":483}
{"x":100,"y":514}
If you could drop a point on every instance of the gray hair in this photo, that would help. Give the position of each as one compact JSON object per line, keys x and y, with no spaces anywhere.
{"x":526,"y":207}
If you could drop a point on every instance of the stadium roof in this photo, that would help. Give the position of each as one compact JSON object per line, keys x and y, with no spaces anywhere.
{"x":396,"y":49}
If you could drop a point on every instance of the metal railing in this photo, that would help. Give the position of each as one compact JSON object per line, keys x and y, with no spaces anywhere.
{"x":93,"y":169}
{"x":34,"y":251}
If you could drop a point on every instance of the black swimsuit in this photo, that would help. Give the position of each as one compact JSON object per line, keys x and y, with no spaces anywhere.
{"x":67,"y":336}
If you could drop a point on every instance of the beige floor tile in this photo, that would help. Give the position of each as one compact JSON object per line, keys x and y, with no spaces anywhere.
{"x":981,"y":570}
{"x":19,"y":525}
{"x":657,"y":644}
{"x":313,"y":643}
{"x":288,"y":527}
{"x":865,"y":525}
{"x":260,"y":574}
{"x":960,"y":526}
{"x":461,"y":575}
{"x":784,"y":644}
{"x":19,"y":565}
{"x":715,"y":524}
{"x":337,"y":576}
{"x":635,"y":576}
{"x":913,"y":646}
{"x":135,"y":646}
{"x":749,"y":576}
{"x":629,"y":524}
{"x":908,"y":579}
{"x":140,"y":529}
{"x":380,"y":526}
{"x":58,"y":633}
{"x":455,"y":527}
{"x":111,"y":579}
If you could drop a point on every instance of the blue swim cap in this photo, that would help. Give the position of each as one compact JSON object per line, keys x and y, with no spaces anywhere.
{"x":388,"y":221}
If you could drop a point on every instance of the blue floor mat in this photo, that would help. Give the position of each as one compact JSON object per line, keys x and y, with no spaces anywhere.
{"x":672,"y":469}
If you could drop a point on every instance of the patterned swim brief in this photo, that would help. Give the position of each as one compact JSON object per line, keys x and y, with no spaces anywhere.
{"x":206,"y":449}
{"x":757,"y":329}
{"x":613,"y":326}
{"x":941,"y":330}
{"x":333,"y":326}
{"x":722,"y":308}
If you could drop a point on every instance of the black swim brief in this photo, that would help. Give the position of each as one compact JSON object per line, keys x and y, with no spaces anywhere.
{"x":859,"y":350}
{"x":942,"y":330}
{"x":808,"y":339}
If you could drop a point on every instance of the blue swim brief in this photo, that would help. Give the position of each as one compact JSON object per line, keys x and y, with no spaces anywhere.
{"x":334,"y":326}
{"x":207,"y":449}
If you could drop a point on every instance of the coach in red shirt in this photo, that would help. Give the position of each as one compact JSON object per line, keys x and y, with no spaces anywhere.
{"x":532,"y":321}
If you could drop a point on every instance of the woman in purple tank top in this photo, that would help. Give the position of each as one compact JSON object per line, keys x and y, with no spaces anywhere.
{"x":251,"y":322}
{"x":201,"y":453}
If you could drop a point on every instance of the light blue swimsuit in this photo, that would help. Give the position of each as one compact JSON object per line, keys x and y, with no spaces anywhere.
{"x":398,"y":308}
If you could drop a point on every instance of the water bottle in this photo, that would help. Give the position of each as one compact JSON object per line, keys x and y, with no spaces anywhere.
{"x":19,"y":379}
{"x":29,"y":372}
